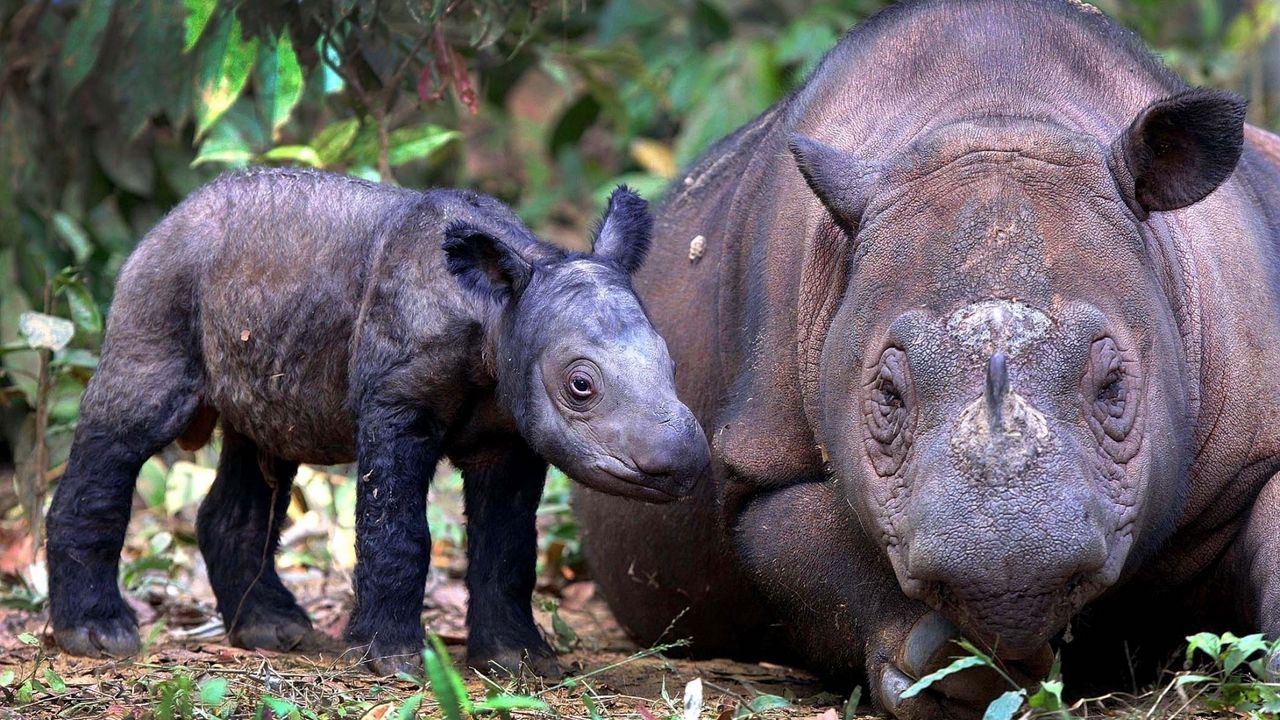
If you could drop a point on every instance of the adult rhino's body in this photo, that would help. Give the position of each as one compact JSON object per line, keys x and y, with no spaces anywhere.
{"x":986,"y":332}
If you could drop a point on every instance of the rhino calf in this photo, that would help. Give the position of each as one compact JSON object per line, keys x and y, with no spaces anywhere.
{"x":326,"y":319}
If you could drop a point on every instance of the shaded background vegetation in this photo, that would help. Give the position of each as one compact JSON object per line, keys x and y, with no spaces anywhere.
{"x":111,"y":111}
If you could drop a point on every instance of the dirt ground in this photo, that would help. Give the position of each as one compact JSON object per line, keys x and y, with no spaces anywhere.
{"x":609,"y":677}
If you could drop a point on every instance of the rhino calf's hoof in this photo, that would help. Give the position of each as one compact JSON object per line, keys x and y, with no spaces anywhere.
{"x":117,"y":638}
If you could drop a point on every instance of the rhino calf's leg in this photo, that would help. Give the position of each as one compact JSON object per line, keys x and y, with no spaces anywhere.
{"x":238,"y":529}
{"x":137,"y":403}
{"x":398,"y":448}
{"x":502,"y":493}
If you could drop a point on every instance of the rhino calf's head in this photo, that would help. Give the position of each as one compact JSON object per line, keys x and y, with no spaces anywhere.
{"x":1003,"y":389}
{"x":585,"y":375}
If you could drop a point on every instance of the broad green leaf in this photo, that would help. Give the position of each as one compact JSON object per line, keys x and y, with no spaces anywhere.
{"x":225,"y":144}
{"x":75,"y":236}
{"x":28,"y":639}
{"x":956,"y":666}
{"x":83,"y":42}
{"x":45,"y":332}
{"x":331,"y":142}
{"x":300,"y":154}
{"x":55,"y":681}
{"x":84,"y":311}
{"x":198,"y":14}
{"x":1242,"y":649}
{"x":417,"y":143}
{"x":6,"y":678}
{"x":592,"y":711}
{"x":1003,"y":707}
{"x":224,"y":72}
{"x":1048,"y":697}
{"x":1205,"y":642}
{"x":288,"y":83}
{"x":764,"y":703}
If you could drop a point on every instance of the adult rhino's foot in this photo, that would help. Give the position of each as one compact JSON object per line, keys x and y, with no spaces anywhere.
{"x":1273,"y":666}
{"x":389,"y":658}
{"x":539,"y":659}
{"x":113,"y":637}
{"x":929,"y":646}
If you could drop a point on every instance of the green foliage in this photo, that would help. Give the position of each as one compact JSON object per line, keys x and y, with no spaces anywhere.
{"x":1233,"y":678}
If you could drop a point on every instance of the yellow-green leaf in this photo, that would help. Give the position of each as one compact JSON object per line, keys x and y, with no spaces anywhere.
{"x":224,"y":72}
{"x":331,"y":142}
{"x":300,"y":154}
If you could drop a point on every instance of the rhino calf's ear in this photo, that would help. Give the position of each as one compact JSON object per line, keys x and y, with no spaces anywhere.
{"x":1179,"y":149}
{"x":625,"y":230}
{"x":484,"y":264}
{"x":840,"y":180}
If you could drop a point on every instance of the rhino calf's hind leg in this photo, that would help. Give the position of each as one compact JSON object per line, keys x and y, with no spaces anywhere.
{"x":502,"y":496}
{"x":238,"y":529}
{"x":135,"y":405}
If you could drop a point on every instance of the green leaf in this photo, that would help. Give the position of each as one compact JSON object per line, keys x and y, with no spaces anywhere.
{"x":446,"y":683}
{"x":299,"y":154}
{"x":281,"y":708}
{"x":224,"y":72}
{"x":956,"y":666}
{"x":74,"y":235}
{"x":27,"y":638}
{"x":226,"y":144}
{"x":409,"y":709}
{"x":6,"y":678}
{"x":84,"y":311}
{"x":764,"y":703}
{"x":592,"y":710}
{"x":1048,"y":697}
{"x":507,"y":703}
{"x":288,"y":90}
{"x":83,"y":42}
{"x":1205,"y":642}
{"x":1003,"y":707}
{"x":331,"y":142}
{"x":1192,"y":678}
{"x":198,"y":14}
{"x":56,"y":683}
{"x":417,"y":143}
{"x":1242,"y":649}
{"x":851,"y":705}
{"x":49,"y":333}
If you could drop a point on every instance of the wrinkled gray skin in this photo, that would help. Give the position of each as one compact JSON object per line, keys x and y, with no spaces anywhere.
{"x":325,"y":319}
{"x":986,"y":332}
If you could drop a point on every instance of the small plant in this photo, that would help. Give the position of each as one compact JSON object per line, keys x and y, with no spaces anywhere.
{"x":1046,"y":701}
{"x":1231,"y":681}
{"x":450,"y":692}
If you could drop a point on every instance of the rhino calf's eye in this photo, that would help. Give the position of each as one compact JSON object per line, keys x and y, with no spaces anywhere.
{"x":582,"y":386}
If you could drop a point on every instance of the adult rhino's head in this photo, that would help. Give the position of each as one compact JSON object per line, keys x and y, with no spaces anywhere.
{"x":585,"y":375}
{"x":1003,"y":388}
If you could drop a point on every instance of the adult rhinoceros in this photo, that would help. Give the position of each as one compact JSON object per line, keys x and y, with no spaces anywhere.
{"x":984,"y":324}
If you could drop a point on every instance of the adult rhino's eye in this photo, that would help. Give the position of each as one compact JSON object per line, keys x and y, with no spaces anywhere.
{"x":888,"y":413}
{"x":1112,"y":396}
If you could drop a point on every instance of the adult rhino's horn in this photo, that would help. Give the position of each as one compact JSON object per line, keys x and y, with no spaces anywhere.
{"x":841,"y":181}
{"x":1179,"y":149}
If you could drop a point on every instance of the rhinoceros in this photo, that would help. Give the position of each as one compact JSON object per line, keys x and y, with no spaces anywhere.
{"x":983,"y":324}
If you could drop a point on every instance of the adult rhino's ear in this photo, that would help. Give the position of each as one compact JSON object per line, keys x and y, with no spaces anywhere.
{"x":1179,"y":149}
{"x":625,"y":230}
{"x":485,"y":264}
{"x":841,"y":181}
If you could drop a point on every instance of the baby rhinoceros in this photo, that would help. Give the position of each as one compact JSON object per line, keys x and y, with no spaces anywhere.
{"x":326,"y":319}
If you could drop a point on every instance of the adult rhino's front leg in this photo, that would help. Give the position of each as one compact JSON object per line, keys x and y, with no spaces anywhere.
{"x":1254,"y":565}
{"x":806,"y":553}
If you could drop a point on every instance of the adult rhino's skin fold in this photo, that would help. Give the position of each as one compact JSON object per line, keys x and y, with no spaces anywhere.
{"x":984,"y":333}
